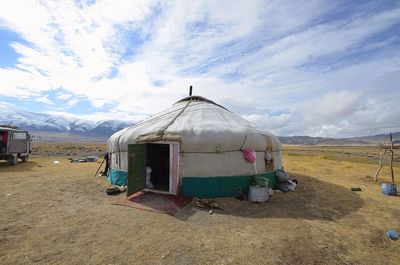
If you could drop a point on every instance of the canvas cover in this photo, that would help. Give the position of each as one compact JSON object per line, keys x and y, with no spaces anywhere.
{"x":211,"y":139}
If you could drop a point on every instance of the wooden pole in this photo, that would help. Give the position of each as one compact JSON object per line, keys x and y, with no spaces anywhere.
{"x":99,"y":167}
{"x":391,"y":157}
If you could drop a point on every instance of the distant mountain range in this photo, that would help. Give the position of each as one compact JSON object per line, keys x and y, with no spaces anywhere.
{"x":363,"y":140}
{"x":59,"y":128}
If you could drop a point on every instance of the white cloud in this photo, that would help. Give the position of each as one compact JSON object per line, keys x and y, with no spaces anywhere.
{"x":261,"y":57}
{"x":274,"y":123}
{"x":64,"y":96}
{"x":72,"y":102}
{"x":44,"y":100}
{"x":332,"y":106}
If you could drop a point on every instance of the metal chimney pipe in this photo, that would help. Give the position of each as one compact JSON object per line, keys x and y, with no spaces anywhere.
{"x":190,"y":91}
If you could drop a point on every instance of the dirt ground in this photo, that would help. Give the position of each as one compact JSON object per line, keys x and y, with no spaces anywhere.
{"x":59,"y":214}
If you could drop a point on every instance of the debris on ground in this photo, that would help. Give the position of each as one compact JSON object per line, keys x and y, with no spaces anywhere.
{"x":393,"y":234}
{"x":355,"y":189}
{"x":84,"y":159}
{"x":56,"y":162}
{"x":207,"y":204}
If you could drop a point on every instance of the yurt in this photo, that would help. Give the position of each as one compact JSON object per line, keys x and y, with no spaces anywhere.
{"x":195,"y":148}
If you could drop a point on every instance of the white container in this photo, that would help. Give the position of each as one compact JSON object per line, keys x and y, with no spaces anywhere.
{"x":258,"y":194}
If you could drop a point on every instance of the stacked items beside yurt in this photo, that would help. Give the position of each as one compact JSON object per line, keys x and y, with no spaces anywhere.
{"x":205,"y":146}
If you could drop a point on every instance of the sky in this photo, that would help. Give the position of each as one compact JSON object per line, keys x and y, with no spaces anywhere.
{"x":318,"y":68}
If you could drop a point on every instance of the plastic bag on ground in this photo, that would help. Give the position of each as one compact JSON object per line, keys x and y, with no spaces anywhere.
{"x":261,"y":180}
{"x":281,"y":176}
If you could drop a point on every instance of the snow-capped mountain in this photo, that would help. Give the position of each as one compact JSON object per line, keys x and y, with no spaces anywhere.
{"x":38,"y":122}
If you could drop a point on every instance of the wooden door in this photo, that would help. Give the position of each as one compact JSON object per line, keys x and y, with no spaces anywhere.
{"x":137,"y":162}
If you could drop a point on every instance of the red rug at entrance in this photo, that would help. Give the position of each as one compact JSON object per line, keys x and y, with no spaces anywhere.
{"x":155,"y":202}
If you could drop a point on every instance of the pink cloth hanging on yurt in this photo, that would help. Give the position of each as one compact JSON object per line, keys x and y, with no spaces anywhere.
{"x":249,"y":154}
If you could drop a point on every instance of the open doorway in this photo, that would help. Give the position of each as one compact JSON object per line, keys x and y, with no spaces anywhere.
{"x":163,"y":159}
{"x":159,"y":161}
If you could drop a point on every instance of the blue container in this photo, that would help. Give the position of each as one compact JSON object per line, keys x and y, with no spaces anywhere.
{"x":389,"y":189}
{"x":393,"y":234}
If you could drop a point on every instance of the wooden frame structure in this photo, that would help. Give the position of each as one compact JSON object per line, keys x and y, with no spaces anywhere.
{"x":383,"y":149}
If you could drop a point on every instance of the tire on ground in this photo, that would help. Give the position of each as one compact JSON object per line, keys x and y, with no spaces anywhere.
{"x":13,"y":160}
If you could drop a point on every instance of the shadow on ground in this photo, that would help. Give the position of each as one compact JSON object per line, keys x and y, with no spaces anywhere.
{"x":313,"y":200}
{"x":21,"y":166}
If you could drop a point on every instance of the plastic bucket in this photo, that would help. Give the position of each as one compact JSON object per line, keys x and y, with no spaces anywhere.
{"x":258,"y":194}
{"x":389,"y":189}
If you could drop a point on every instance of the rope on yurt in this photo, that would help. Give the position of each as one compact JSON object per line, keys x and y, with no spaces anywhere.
{"x":245,"y":138}
{"x":155,"y":117}
{"x":162,"y":130}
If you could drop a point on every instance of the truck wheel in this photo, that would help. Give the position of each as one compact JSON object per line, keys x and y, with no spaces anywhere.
{"x":13,"y":160}
{"x":24,"y":158}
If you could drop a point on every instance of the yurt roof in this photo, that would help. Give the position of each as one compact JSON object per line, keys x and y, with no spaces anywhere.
{"x":198,"y":124}
{"x":200,"y":98}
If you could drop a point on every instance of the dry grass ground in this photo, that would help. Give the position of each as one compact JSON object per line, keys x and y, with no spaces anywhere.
{"x":59,"y":214}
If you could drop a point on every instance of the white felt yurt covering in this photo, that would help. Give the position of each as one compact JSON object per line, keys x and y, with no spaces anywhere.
{"x":211,"y":139}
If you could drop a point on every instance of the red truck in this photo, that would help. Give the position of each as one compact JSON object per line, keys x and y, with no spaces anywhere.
{"x":14,"y":144}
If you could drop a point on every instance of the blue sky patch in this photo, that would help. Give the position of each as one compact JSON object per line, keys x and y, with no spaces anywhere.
{"x":8,"y":56}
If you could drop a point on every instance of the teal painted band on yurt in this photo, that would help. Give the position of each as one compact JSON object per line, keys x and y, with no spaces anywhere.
{"x":225,"y":186}
{"x":117,"y":177}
